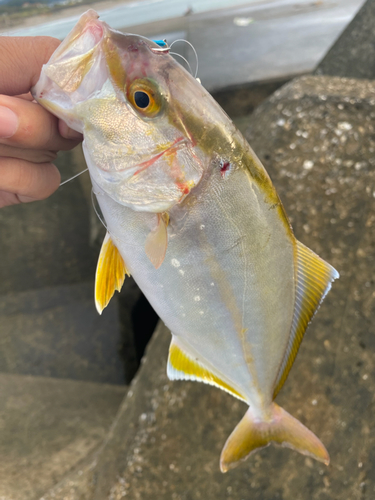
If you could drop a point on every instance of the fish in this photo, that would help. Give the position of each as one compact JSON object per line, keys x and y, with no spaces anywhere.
{"x":193,"y":216}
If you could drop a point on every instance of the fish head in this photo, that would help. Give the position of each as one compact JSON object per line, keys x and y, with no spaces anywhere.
{"x":130,"y":100}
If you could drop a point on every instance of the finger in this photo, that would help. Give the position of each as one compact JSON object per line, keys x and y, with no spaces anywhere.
{"x":8,"y":199}
{"x":32,"y":155}
{"x":27,"y":97}
{"x":67,"y":132}
{"x":28,"y":181}
{"x":21,"y":60}
{"x":26,"y":124}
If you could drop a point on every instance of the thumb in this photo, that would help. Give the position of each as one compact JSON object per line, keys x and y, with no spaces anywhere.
{"x":21,"y":60}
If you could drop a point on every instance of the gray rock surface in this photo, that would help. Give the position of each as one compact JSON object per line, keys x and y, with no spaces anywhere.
{"x":48,"y":322}
{"x":316,"y":139}
{"x":57,"y":332}
{"x":56,"y":234}
{"x":48,"y":427}
{"x":353,"y":55}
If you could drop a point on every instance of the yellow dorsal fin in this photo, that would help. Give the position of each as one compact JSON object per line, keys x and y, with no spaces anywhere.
{"x":157,"y":241}
{"x":313,"y":281}
{"x":110,"y":273}
{"x":185,"y":366}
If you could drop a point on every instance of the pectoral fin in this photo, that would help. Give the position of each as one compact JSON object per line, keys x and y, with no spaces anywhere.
{"x":253,"y":433}
{"x":110,"y":273}
{"x":313,"y":280}
{"x":183,"y":365}
{"x":157,"y":241}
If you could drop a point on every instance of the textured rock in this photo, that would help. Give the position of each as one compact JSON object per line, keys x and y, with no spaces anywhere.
{"x":316,"y":138}
{"x":57,"y":332}
{"x":353,"y":55}
{"x":48,"y":427}
{"x":48,"y":322}
{"x":241,"y":101}
{"x":56,"y":234}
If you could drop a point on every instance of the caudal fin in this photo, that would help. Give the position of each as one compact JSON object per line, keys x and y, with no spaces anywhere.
{"x":251,"y":434}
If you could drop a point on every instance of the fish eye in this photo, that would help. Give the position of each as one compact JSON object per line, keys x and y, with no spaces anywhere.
{"x":141,"y":99}
{"x":145,"y":97}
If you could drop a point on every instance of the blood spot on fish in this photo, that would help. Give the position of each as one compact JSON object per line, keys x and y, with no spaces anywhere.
{"x":225,"y":169}
{"x":183,"y":187}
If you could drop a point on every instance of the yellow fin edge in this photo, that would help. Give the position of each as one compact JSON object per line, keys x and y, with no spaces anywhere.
{"x":110,"y":273}
{"x":181,"y":366}
{"x":313,"y":278}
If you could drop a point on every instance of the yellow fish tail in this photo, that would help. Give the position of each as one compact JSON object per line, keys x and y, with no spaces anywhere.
{"x":252,"y":434}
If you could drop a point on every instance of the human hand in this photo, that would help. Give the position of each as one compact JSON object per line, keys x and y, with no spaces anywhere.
{"x":30,"y":136}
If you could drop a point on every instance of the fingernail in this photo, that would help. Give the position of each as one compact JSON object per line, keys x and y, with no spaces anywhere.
{"x":8,"y":123}
{"x":26,"y":199}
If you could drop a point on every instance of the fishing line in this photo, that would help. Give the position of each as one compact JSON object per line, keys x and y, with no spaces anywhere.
{"x":182,"y":57}
{"x":74,"y":176}
{"x":96,"y":211}
{"x":195,"y":53}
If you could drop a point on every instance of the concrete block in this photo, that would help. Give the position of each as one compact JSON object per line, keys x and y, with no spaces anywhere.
{"x":353,"y":55}
{"x":49,"y":427}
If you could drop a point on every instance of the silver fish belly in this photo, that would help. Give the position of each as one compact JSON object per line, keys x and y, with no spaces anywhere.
{"x":220,"y":289}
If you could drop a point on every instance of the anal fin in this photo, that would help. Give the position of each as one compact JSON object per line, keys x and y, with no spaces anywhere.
{"x":110,"y":273}
{"x":182,"y":365}
{"x":313,"y":281}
